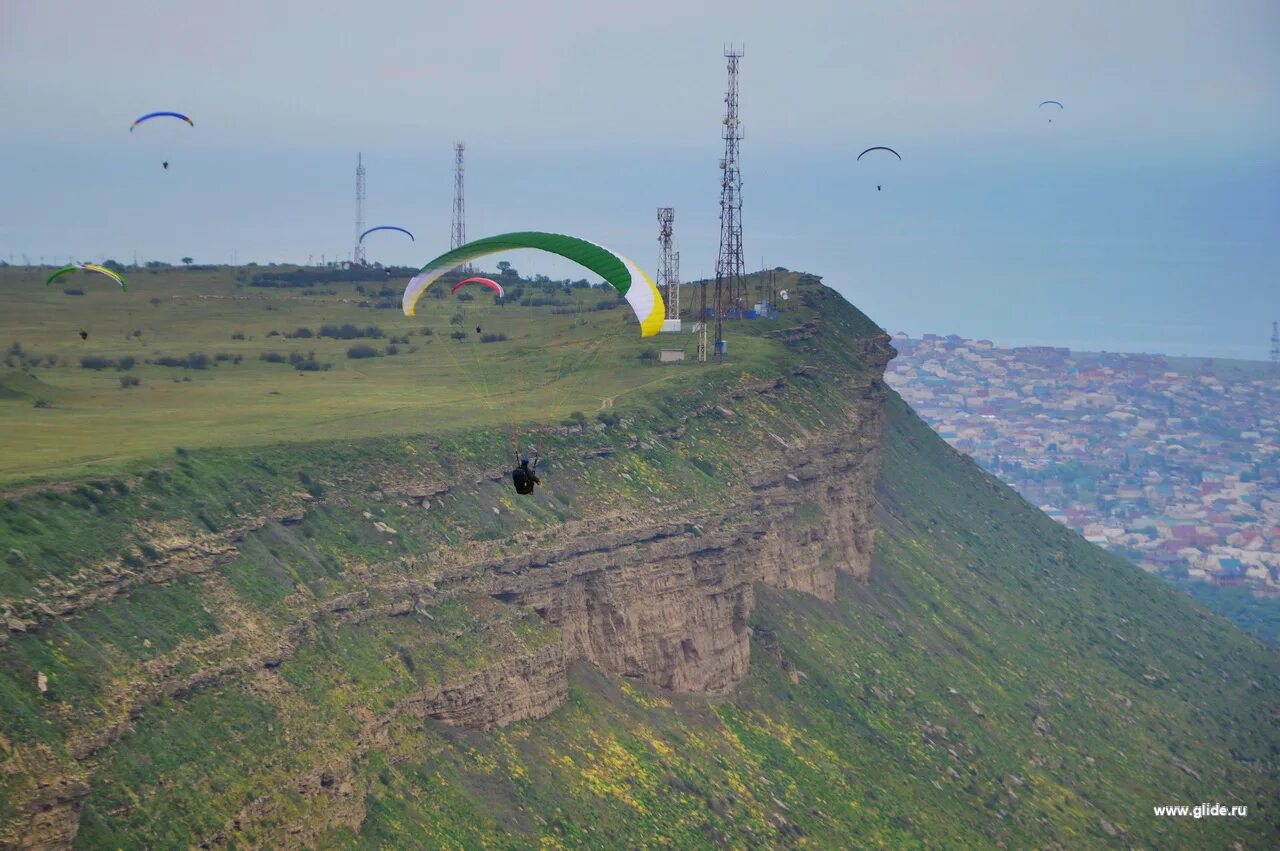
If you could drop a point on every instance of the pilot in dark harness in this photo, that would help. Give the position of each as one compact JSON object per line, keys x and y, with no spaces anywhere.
{"x":524,"y":477}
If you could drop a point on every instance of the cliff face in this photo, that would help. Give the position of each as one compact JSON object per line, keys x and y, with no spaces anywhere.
{"x":669,"y":605}
{"x":661,"y":596}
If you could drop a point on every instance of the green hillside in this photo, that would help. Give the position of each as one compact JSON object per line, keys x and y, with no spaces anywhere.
{"x":997,"y":680}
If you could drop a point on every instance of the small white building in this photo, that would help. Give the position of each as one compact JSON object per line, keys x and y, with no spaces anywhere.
{"x":670,"y":355}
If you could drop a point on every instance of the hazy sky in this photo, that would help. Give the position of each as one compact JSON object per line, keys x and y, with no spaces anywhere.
{"x":1146,"y":216}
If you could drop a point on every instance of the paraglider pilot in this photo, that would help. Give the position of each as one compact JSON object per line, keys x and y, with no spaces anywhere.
{"x":165,"y":164}
{"x":524,"y":477}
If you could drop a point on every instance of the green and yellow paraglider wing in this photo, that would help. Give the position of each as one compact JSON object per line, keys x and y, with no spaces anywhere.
{"x":623,"y":275}
{"x":87,"y":267}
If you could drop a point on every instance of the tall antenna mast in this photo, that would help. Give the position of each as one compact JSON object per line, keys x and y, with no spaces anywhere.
{"x":701,"y":325}
{"x":1275,"y":345}
{"x":730,"y":267}
{"x":668,"y":274}
{"x":459,"y":234}
{"x":357,"y":255}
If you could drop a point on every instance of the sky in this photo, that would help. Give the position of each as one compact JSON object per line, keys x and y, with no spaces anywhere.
{"x":1144,"y":217}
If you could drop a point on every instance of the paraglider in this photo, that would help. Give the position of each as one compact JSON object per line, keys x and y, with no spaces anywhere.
{"x":87,"y":267}
{"x":879,"y":148}
{"x":491,"y":284}
{"x":525,"y":477}
{"x":386,"y":227}
{"x":1054,"y":103}
{"x":153,"y":115}
{"x":620,"y":273}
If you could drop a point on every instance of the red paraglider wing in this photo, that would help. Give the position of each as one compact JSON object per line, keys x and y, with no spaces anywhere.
{"x":493,"y":285}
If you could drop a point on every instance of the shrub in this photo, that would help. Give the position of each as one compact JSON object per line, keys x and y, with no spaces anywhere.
{"x":125,"y":363}
{"x":301,"y":334}
{"x":95,"y":362}
{"x":272,"y":357}
{"x":465,"y":296}
{"x":608,"y":418}
{"x":73,"y":291}
{"x":492,"y":338}
{"x":362,"y":351}
{"x":307,"y":363}
{"x":42,"y":403}
{"x":273,"y":333}
{"x":351,"y":332}
{"x":648,"y":354}
{"x":393,"y":349}
{"x":237,"y":335}
{"x":577,"y":418}
{"x":195,"y":360}
{"x":459,"y":335}
{"x":425,"y":331}
{"x":127,"y":381}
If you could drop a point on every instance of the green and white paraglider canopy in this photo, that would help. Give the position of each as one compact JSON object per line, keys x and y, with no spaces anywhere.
{"x":623,"y":275}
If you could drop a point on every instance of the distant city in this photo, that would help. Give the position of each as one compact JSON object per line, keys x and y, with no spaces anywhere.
{"x":1171,"y":462}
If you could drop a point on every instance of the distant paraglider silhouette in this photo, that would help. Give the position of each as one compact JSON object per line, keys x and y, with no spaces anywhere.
{"x":879,"y":148}
{"x":1053,"y":102}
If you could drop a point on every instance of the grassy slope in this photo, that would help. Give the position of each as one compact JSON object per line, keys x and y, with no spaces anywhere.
{"x":974,"y":591}
{"x":94,"y":427}
{"x":997,"y":680}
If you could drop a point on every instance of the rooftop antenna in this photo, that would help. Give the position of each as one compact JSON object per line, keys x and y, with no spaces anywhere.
{"x":730,"y":267}
{"x":357,"y":255}
{"x":668,"y":277}
{"x":1275,"y":346}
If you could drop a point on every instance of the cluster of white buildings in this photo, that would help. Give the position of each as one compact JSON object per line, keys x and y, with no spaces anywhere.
{"x":1176,"y":466}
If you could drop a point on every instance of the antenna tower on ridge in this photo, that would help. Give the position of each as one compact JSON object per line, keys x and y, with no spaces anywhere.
{"x":668,"y":269}
{"x":1275,"y":345}
{"x":730,"y":267}
{"x":357,"y":255}
{"x":701,"y":325}
{"x":459,"y":234}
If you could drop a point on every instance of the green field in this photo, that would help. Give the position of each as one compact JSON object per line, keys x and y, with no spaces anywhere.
{"x":556,"y":360}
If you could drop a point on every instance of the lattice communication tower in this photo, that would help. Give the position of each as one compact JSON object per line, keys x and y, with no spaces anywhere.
{"x":730,"y":266}
{"x":668,"y":270}
{"x":458,"y":236}
{"x":357,"y":255}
